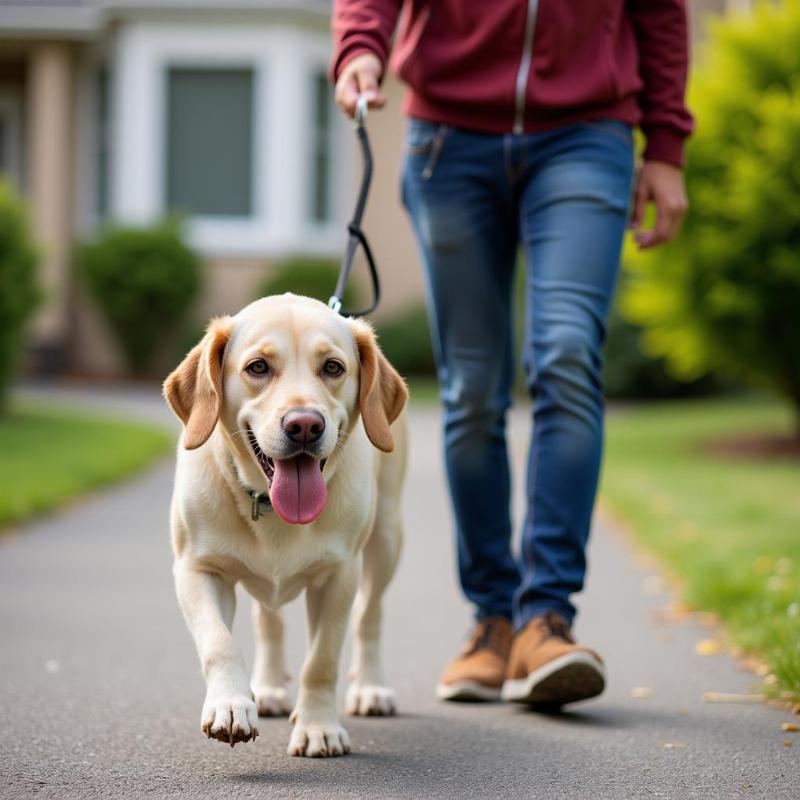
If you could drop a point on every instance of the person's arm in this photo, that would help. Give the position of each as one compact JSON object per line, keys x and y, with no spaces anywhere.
{"x":362,"y":33}
{"x":661,"y":32}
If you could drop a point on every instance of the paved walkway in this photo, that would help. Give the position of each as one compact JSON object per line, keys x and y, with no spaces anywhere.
{"x":100,"y":690}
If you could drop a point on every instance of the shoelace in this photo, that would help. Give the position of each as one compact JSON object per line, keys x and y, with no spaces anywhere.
{"x":489,"y":635}
{"x":554,"y":626}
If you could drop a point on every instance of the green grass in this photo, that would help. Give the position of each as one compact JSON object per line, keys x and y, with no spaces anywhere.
{"x":729,"y":528}
{"x":48,"y":456}
{"x":423,"y":390}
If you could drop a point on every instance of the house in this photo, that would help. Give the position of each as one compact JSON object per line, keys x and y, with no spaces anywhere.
{"x":126,"y":109}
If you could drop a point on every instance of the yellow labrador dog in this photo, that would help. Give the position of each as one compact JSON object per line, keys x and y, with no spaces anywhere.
{"x":289,"y":474}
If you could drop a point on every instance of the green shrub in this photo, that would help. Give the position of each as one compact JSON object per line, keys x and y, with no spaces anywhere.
{"x":145,"y":280}
{"x":19,"y":293}
{"x":311,"y":277}
{"x":406,"y":341}
{"x":725,"y":295}
{"x":629,"y":372}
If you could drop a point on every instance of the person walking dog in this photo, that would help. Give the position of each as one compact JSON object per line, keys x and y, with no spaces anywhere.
{"x":520,"y":136}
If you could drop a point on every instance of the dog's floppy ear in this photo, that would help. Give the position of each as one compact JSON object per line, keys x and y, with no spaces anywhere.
{"x":194,"y":389}
{"x":382,"y":394}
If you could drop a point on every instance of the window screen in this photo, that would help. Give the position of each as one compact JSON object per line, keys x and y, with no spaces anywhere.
{"x":210,"y":141}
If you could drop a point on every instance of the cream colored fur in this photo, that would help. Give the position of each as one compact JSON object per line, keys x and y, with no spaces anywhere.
{"x":351,"y":549}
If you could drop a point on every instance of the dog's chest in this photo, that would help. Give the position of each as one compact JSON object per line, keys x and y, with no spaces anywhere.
{"x":275,"y":572}
{"x":277,"y":589}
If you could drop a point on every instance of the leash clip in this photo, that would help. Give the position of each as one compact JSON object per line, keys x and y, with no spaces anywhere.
{"x":255,"y":512}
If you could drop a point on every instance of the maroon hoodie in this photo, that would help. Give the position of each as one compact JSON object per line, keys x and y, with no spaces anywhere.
{"x":529,"y":65}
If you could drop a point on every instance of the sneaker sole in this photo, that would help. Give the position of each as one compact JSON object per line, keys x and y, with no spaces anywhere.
{"x":567,"y":679}
{"x":468,"y":691}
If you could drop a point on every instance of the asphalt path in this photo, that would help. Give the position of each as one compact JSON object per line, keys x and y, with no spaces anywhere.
{"x":100,"y":689}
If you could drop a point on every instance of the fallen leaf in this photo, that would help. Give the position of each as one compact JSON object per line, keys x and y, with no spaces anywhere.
{"x":677,"y":612}
{"x":770,"y":680}
{"x":653,"y":585}
{"x":754,"y":665}
{"x":641,"y":692}
{"x":787,"y":742}
{"x":762,"y":565}
{"x":726,"y":697}
{"x":708,"y":647}
{"x":706,"y":618}
{"x":783,"y":566}
{"x":790,"y":726}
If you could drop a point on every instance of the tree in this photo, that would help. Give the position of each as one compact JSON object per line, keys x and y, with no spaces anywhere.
{"x":725,"y":296}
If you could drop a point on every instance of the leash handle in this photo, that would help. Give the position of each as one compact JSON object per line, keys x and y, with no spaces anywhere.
{"x":356,"y":237}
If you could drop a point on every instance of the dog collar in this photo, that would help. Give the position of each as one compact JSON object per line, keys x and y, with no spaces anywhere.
{"x":259,"y":501}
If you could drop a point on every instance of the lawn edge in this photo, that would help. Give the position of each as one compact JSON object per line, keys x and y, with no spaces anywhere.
{"x":747,"y":660}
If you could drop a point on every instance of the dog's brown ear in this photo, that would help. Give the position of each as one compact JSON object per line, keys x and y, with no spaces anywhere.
{"x":382,"y":394}
{"x":194,"y":389}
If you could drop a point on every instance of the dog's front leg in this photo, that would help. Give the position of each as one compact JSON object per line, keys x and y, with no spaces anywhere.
{"x":208,"y":603}
{"x":269,"y":673}
{"x":317,"y":730}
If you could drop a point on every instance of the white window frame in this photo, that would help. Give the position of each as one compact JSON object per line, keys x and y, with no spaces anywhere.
{"x":92,"y":59}
{"x":281,"y":57}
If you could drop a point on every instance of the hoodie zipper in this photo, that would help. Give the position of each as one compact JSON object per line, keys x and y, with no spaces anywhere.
{"x":525,"y":67}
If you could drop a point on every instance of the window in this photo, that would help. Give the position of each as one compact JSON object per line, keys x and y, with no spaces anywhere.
{"x":209,"y":153}
{"x":322,"y":97}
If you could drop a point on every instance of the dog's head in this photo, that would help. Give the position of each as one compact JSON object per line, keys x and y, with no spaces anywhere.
{"x":286,"y":379}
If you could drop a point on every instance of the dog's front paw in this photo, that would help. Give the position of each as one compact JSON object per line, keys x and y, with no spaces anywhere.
{"x":272,"y":701}
{"x":318,"y":740}
{"x":230,"y":718}
{"x":370,"y":701}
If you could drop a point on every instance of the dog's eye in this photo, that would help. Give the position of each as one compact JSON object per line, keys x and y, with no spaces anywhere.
{"x":259,"y":367}
{"x":332,"y":368}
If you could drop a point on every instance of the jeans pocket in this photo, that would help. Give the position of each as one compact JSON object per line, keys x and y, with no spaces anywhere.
{"x":424,"y":141}
{"x":420,"y":135}
{"x":613,"y":127}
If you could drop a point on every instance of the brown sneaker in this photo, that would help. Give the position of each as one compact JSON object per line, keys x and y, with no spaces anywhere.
{"x":478,"y":672}
{"x":547,"y":668}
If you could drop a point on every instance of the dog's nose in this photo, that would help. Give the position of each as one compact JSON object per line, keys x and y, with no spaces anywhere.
{"x":302,"y":425}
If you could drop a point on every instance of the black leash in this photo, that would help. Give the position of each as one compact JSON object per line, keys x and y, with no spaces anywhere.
{"x":356,"y":236}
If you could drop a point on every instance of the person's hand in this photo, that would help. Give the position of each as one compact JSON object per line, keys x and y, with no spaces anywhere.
{"x":661,"y":184}
{"x":360,"y":76}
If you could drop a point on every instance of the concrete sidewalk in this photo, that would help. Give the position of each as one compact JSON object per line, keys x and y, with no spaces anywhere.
{"x":100,"y":690}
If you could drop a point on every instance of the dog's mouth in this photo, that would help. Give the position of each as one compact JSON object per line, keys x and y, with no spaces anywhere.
{"x":297,"y":489}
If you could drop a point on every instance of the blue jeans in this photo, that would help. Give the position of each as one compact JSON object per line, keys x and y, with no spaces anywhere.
{"x":474,"y":199}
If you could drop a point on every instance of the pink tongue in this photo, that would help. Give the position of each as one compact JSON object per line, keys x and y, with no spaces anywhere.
{"x":298,"y":492}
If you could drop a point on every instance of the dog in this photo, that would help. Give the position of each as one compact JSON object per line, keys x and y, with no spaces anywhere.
{"x":289,"y":475}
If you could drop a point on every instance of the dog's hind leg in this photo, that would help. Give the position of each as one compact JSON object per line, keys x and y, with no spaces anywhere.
{"x":269,"y":673}
{"x":368,"y":693}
